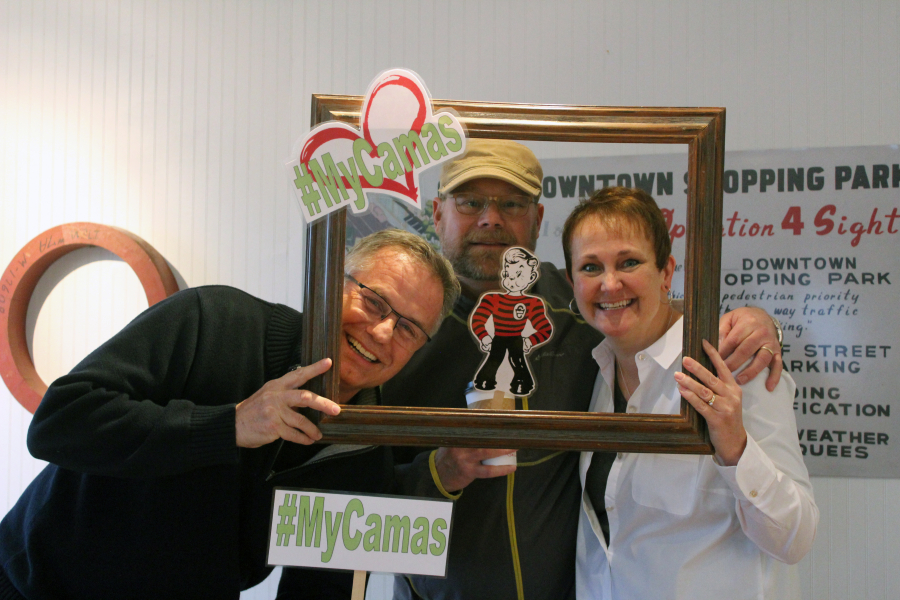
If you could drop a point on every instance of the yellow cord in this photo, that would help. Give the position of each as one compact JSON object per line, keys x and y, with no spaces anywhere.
{"x":511,"y":521}
{"x":437,"y":478}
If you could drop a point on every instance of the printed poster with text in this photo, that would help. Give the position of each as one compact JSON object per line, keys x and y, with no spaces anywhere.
{"x":811,"y":236}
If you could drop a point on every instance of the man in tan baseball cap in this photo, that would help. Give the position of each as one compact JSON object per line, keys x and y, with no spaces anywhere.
{"x":487,"y":201}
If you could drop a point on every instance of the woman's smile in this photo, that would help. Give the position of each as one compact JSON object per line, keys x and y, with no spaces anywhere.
{"x":618,"y":287}
{"x":614,"y":305}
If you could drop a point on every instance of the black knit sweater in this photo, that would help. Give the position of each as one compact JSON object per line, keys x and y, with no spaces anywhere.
{"x":147,"y":494}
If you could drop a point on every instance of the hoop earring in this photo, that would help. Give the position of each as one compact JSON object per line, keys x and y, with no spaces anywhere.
{"x":574,"y":307}
{"x":668,"y":297}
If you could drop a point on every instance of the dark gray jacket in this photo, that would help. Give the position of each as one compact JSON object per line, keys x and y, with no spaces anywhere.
{"x":512,"y":536}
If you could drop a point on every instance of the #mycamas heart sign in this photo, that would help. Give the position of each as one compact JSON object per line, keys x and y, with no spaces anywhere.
{"x":399,"y":136}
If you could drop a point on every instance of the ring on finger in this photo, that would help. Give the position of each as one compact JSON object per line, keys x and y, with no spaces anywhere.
{"x":769,"y":350}
{"x":711,"y":400}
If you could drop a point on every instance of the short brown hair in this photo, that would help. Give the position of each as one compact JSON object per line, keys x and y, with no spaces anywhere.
{"x":618,"y":207}
{"x":360,"y":256}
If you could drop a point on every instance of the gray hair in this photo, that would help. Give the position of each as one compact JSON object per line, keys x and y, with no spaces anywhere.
{"x":360,"y":257}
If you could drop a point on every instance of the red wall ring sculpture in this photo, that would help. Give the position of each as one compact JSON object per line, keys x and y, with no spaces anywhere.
{"x":31,"y":262}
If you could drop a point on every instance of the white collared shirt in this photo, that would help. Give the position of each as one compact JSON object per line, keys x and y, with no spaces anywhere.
{"x":685,"y":527}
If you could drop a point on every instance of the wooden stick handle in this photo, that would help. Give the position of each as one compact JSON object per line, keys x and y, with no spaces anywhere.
{"x":359,"y":586}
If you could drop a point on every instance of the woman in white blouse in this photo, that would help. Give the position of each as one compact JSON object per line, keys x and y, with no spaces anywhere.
{"x":656,"y":526}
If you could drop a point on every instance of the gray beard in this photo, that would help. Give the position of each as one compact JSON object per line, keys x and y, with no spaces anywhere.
{"x":476,"y":268}
{"x":469,"y":267}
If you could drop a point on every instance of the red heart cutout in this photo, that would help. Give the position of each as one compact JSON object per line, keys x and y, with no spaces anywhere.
{"x":330,"y":132}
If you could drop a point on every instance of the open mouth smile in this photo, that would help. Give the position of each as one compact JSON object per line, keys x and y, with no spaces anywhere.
{"x":360,"y":350}
{"x":614,"y":305}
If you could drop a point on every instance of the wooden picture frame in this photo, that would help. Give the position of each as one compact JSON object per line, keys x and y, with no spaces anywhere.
{"x":701,"y":129}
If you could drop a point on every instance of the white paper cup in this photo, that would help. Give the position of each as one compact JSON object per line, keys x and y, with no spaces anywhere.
{"x":491,"y":399}
{"x":506,"y":459}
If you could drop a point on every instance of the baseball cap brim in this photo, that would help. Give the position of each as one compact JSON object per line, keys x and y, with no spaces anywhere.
{"x":494,"y":159}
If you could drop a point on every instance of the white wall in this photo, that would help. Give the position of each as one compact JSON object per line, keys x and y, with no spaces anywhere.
{"x":170,"y":118}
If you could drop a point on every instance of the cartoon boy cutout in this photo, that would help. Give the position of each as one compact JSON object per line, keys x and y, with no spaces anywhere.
{"x":511,"y":311}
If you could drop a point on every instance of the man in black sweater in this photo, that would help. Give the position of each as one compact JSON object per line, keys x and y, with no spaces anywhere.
{"x":165,"y":442}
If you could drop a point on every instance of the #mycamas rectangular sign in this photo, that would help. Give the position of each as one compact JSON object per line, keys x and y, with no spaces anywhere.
{"x":330,"y":530}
